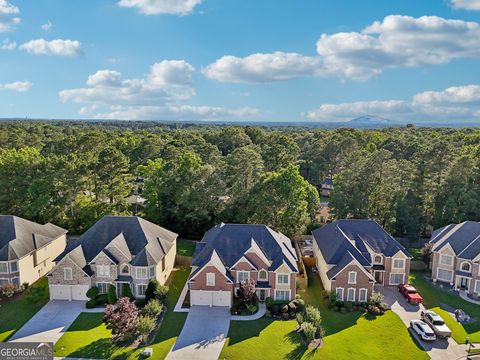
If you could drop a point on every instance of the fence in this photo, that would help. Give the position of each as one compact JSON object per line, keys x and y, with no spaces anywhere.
{"x":184,"y":261}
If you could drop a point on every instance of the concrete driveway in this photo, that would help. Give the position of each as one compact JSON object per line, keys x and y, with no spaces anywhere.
{"x":440,"y":349}
{"x":203,"y":335}
{"x":51,"y":321}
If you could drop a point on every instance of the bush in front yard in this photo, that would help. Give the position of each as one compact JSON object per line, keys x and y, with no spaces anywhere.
{"x":376,"y":305}
{"x":156,"y":291}
{"x":161,"y":292}
{"x":112,"y":294}
{"x":309,"y":330}
{"x":153,"y":308}
{"x":7,"y":290}
{"x":93,"y":292}
{"x":312,"y":315}
{"x":122,"y":320}
{"x":101,"y":299}
{"x":145,"y":326}
{"x":91,"y":304}
{"x":127,"y":291}
{"x":252,"y":309}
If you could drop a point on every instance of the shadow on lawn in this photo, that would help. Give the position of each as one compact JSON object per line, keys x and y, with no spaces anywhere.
{"x":300,"y":348}
{"x":99,"y":349}
{"x":241,"y":333}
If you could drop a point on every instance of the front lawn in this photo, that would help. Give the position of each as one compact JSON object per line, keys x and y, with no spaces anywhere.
{"x":434,"y":297}
{"x":16,"y":313}
{"x":186,"y":247}
{"x":88,"y":337}
{"x":348,"y":335}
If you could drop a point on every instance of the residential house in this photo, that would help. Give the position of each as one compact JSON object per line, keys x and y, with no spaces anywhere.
{"x":230,"y":254}
{"x":116,"y":250}
{"x":353,"y":256}
{"x":456,"y":256}
{"x":27,"y":249}
{"x":326,"y":187}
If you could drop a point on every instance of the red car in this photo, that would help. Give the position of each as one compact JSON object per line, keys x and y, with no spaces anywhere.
{"x":410,"y":293}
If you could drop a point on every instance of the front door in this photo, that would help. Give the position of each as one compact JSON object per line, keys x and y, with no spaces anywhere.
{"x":262,"y":295}
{"x":464,"y":283}
{"x":379,"y":277}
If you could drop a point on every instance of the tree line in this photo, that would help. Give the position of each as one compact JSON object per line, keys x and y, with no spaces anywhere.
{"x":72,"y":173}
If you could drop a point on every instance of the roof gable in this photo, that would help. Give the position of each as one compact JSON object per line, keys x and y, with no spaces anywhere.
{"x":463,"y":238}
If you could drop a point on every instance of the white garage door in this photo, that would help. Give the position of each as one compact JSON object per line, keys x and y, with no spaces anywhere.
{"x":210,"y":298}
{"x":68,"y":292}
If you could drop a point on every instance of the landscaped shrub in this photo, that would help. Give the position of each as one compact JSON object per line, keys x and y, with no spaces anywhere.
{"x":101,"y":299}
{"x":127,"y":291}
{"x":275,"y":309}
{"x":312,"y":315}
{"x":285,"y":309}
{"x":332,"y":298}
{"x":300,"y":318}
{"x":145,"y":325}
{"x":252,"y":308}
{"x":91,"y":304}
{"x":151,"y":289}
{"x":348,"y":306}
{"x":309,"y":331}
{"x":93,"y":292}
{"x":299,"y":303}
{"x":161,"y":292}
{"x":112,"y":294}
{"x":376,"y":305}
{"x":269,"y":302}
{"x":7,"y":290}
{"x":122,"y":319}
{"x":153,"y":308}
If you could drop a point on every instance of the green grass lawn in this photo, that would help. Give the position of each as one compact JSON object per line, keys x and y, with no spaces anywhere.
{"x":433,"y":297}
{"x":88,"y":337}
{"x":186,"y":247}
{"x":17,"y":312}
{"x":348,"y":336}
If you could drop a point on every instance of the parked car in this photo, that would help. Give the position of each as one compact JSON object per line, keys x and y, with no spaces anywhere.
{"x":436,"y":323}
{"x":410,"y":293}
{"x":422,"y":330}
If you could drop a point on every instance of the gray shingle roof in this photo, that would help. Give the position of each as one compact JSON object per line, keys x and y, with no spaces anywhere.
{"x":146,"y":242}
{"x":231,"y":241}
{"x":19,"y":237}
{"x":342,"y":240}
{"x":464,"y":238}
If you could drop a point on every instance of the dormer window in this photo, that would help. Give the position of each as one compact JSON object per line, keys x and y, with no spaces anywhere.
{"x":466,"y":266}
{"x":262,"y":275}
{"x":377,"y":259}
{"x":125,"y":270}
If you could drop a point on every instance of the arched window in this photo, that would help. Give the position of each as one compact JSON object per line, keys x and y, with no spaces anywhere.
{"x":466,"y":267}
{"x":378,"y":259}
{"x":262,"y":275}
{"x":125,"y":269}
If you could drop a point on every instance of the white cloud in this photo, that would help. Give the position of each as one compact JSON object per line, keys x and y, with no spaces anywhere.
{"x":18,"y":86}
{"x":47,"y":26}
{"x":466,"y":4}
{"x":60,"y":47}
{"x":396,"y":42}
{"x":8,"y":45}
{"x":454,"y":103}
{"x":8,"y":16}
{"x":157,"y":7}
{"x":157,"y":95}
{"x":276,"y":66}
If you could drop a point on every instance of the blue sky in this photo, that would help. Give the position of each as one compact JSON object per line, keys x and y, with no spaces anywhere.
{"x":288,"y":60}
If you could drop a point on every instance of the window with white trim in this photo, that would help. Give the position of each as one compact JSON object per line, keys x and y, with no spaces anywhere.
{"x":283,"y":295}
{"x":362,"y":295}
{"x":377,"y":259}
{"x":339,"y":292}
{"x":444,"y":275}
{"x":3,"y":268}
{"x":142,"y":273}
{"x":352,"y":277}
{"x":351,"y":294}
{"x":477,"y":286}
{"x":262,"y":275}
{"x":398,"y":263}
{"x":243,"y":276}
{"x":13,"y":266}
{"x":103,"y":270}
{"x":446,"y":259}
{"x":466,"y":266}
{"x":3,"y":282}
{"x":396,"y":279}
{"x":141,"y":289}
{"x":152,"y":272}
{"x":283,"y":279}
{"x":67,"y":273}
{"x":210,"y":279}
{"x":125,"y":269}
{"x":102,"y":287}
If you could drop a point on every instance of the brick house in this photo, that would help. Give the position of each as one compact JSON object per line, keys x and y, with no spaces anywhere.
{"x":456,"y":256}
{"x":232,"y":253}
{"x":116,"y":250}
{"x":354,"y":255}
{"x":27,"y":249}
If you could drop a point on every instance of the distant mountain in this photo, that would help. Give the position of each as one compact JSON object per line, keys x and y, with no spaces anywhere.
{"x":371,"y":121}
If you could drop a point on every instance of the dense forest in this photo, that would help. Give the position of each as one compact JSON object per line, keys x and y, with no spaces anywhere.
{"x":72,"y":173}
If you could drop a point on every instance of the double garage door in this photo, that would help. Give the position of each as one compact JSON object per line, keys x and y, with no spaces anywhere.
{"x":68,"y":292}
{"x":210,"y":298}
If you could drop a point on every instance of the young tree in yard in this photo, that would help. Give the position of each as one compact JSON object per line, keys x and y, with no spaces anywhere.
{"x":122,"y":320}
{"x":246,"y":292}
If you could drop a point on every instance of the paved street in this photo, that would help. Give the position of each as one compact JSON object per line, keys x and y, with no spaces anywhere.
{"x":203,"y":335}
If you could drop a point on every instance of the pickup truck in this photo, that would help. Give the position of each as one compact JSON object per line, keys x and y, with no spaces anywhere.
{"x":436,"y":323}
{"x":410,"y":293}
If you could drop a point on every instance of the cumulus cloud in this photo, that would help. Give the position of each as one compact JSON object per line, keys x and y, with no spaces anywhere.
{"x":466,"y":4}
{"x":47,"y":26}
{"x":18,"y":86}
{"x":396,"y":42}
{"x":157,"y":7}
{"x":8,"y":45}
{"x":8,"y":16}
{"x":458,"y":102}
{"x":157,"y":95}
{"x":59,"y":47}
